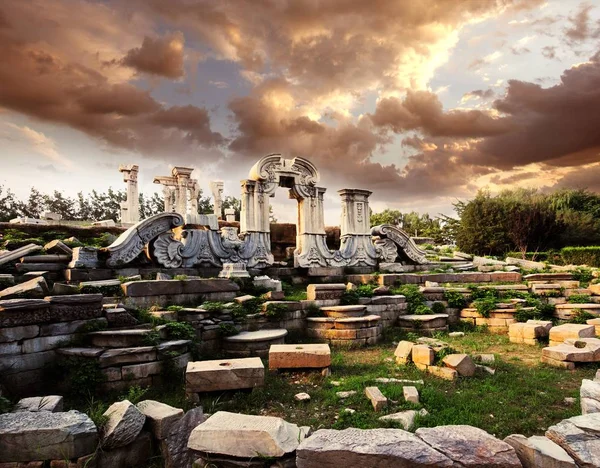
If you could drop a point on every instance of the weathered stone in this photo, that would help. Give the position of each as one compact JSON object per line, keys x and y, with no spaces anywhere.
{"x":241,"y":435}
{"x":294,"y":356}
{"x":423,"y":354}
{"x":124,"y":424}
{"x":411,"y":394}
{"x":74,"y":326}
{"x":470,"y":446}
{"x":570,"y":353}
{"x":160,"y":417}
{"x":174,"y":448}
{"x":537,"y":451}
{"x":84,"y":257}
{"x":303,"y":396}
{"x":316,"y":292}
{"x":135,"y":454}
{"x":51,"y":403}
{"x":381,"y":448}
{"x":580,"y":437}
{"x":462,"y":363}
{"x":403,"y":352}
{"x":58,"y":247}
{"x":226,"y":374}
{"x":560,"y":333}
{"x":18,"y":333}
{"x":590,"y":392}
{"x":378,"y":400}
{"x":45,"y":436}
{"x":133,"y":355}
{"x":36,"y":287}
{"x":18,"y":253}
{"x":405,"y":418}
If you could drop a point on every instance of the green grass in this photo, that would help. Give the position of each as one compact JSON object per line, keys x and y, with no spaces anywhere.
{"x":523,"y":396}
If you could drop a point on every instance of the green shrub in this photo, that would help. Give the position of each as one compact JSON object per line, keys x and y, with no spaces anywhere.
{"x":438,"y":308}
{"x":422,"y":310}
{"x":583,"y":275}
{"x":524,"y":315}
{"x":152,"y":338}
{"x":533,"y":256}
{"x":84,"y":376}
{"x":314,"y":310}
{"x":350,"y":297}
{"x":213,"y":307}
{"x":581,"y":256}
{"x":292,"y":292}
{"x":180,"y":331}
{"x":134,"y":394}
{"x":365,"y":290}
{"x":581,"y":317}
{"x":455,"y":299}
{"x":579,"y":299}
{"x":180,"y":277}
{"x":175,"y":308}
{"x":227,"y":329}
{"x":275,"y":311}
{"x":485,"y":305}
{"x":414,"y":297}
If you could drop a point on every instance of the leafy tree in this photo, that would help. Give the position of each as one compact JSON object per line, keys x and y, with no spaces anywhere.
{"x":58,"y":203}
{"x":9,"y":205}
{"x":387,"y":216}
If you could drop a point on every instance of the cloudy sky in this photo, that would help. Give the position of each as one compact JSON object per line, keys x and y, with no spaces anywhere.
{"x":420,"y":101}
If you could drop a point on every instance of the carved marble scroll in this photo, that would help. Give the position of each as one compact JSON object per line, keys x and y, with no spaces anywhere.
{"x":133,"y":241}
{"x":402,"y":240}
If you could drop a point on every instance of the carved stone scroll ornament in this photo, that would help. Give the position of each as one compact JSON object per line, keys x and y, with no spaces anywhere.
{"x":133,"y":241}
{"x":387,"y":250}
{"x":402,"y":240}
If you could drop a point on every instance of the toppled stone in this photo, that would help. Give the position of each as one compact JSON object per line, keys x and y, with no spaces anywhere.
{"x":124,"y":424}
{"x":294,"y":356}
{"x":58,"y":247}
{"x":161,"y":417}
{"x":302,"y":396}
{"x":37,"y":287}
{"x":378,"y":400}
{"x":137,"y":453}
{"x":403,"y":352}
{"x":461,"y":363}
{"x":470,"y":446}
{"x":29,"y":436}
{"x":590,"y":396}
{"x":538,"y":451}
{"x":381,"y":448}
{"x":246,"y":436}
{"x":411,"y":394}
{"x":405,"y":418}
{"x":423,"y":354}
{"x":50,"y":403}
{"x":225,"y":374}
{"x":401,"y":381}
{"x":174,"y":449}
{"x":443,"y":372}
{"x":485,"y":358}
{"x":456,"y":334}
{"x":347,"y":394}
{"x":580,"y":437}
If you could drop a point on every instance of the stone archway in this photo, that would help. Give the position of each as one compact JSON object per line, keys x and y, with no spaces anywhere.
{"x":301,"y":177}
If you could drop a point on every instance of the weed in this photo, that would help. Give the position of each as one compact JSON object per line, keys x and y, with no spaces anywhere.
{"x":180,"y":277}
{"x":455,"y":299}
{"x":414,"y":297}
{"x":581,"y":317}
{"x":227,"y":329}
{"x":579,"y":299}
{"x":134,"y":394}
{"x":175,"y":308}
{"x":314,"y":310}
{"x":275,"y":311}
{"x":485,"y":305}
{"x":180,"y":331}
{"x":422,"y":310}
{"x":438,"y":308}
{"x":95,"y":409}
{"x":213,"y":307}
{"x":350,"y":297}
{"x":152,"y":338}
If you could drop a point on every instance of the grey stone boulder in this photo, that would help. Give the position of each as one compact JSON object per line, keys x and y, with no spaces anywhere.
{"x":539,"y":451}
{"x":28,"y":436}
{"x":381,"y":448}
{"x":160,"y":417}
{"x":136,"y":454}
{"x":51,"y":403}
{"x":174,"y":449}
{"x":590,"y":396}
{"x":124,"y":424}
{"x":470,"y":446}
{"x":245,"y":436}
{"x":580,"y":437}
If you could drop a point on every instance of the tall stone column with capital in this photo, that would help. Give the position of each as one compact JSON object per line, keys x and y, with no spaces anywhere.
{"x":130,"y":208}
{"x":355,"y":228}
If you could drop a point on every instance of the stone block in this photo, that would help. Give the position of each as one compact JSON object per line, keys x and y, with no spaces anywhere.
{"x":123,"y":425}
{"x":45,"y":343}
{"x":325,"y":291}
{"x":18,"y":363}
{"x":50,"y":403}
{"x":403,"y":352}
{"x":299,"y":356}
{"x":579,"y":437}
{"x":411,"y":394}
{"x":18,"y":333}
{"x":556,"y":363}
{"x":18,"y":253}
{"x":461,"y":363}
{"x":423,"y":354}
{"x":84,"y":257}
{"x":58,"y":247}
{"x":174,"y":450}
{"x":381,"y":448}
{"x":226,"y":374}
{"x":119,"y":356}
{"x":537,"y":451}
{"x":29,"y":436}
{"x":470,"y":446}
{"x":33,"y":288}
{"x":136,"y":454}
{"x":443,"y":372}
{"x":245,"y":436}
{"x":560,"y":333}
{"x":160,"y":417}
{"x":378,"y":400}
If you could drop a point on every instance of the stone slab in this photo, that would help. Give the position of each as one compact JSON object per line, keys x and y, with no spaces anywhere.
{"x":160,"y":417}
{"x":378,"y":399}
{"x":224,"y":374}
{"x":294,"y":356}
{"x":257,"y":336}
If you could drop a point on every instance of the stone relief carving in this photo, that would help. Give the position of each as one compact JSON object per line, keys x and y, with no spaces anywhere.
{"x":402,"y":240}
{"x":133,"y":241}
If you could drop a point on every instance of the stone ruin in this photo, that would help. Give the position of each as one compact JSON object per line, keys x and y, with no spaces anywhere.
{"x":181,"y":237}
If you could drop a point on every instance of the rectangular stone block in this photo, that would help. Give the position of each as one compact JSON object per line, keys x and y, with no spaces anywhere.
{"x":571,"y":330}
{"x":378,"y":400}
{"x":325,"y":291}
{"x":18,"y":333}
{"x":46,"y":343}
{"x":423,"y":354}
{"x":299,"y":356}
{"x":225,"y":374}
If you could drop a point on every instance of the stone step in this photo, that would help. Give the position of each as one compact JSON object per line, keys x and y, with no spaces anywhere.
{"x":346,"y":323}
{"x":344,"y":311}
{"x":127,"y":338}
{"x":253,"y":343}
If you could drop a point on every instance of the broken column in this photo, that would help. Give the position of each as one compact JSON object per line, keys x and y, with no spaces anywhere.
{"x":130,"y":208}
{"x":216,"y":188}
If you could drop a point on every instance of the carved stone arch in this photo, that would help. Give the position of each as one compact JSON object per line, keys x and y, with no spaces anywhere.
{"x":297,"y":174}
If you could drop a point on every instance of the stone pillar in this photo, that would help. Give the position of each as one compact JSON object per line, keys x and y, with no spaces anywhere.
{"x":130,"y":208}
{"x":194,"y":215}
{"x":229,"y":215}
{"x":182,"y":176}
{"x":355,"y":212}
{"x":216,"y":188}
{"x":247,"y":215}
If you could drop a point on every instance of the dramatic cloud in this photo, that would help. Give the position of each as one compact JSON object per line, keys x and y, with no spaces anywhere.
{"x":579,"y":30}
{"x":159,"y":56}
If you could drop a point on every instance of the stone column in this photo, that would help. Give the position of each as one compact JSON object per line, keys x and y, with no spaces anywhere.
{"x":355,"y":212}
{"x":229,"y":215}
{"x":248,"y":214}
{"x":182,"y":175}
{"x":216,"y":188}
{"x":130,"y":208}
{"x":194,"y":215}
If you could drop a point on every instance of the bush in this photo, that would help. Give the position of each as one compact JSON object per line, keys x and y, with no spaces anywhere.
{"x":485,"y":305}
{"x":438,"y":308}
{"x":414,"y":297}
{"x":579,"y":299}
{"x":455,"y":299}
{"x":84,"y":376}
{"x":350,"y":297}
{"x":365,"y":290}
{"x":228,"y":329}
{"x":581,"y":317}
{"x":581,"y":255}
{"x":583,"y":275}
{"x":275,"y":311}
{"x":180,"y":331}
{"x":422,"y":310}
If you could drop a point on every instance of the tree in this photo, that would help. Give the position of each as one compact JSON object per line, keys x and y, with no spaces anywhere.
{"x":236,"y":204}
{"x":58,"y":203}
{"x":34,"y":206}
{"x":387,"y":216}
{"x":9,"y":205}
